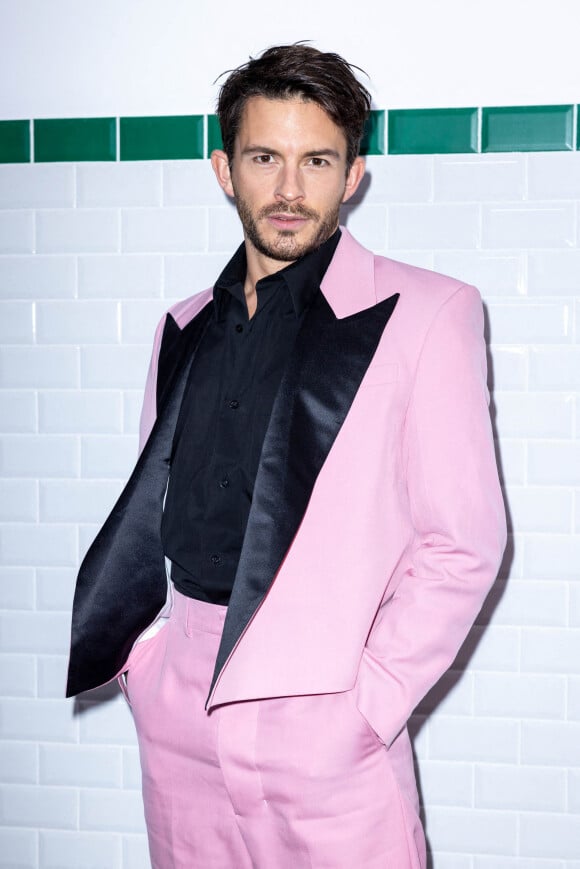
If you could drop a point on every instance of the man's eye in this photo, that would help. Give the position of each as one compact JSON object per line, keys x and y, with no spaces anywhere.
{"x":318,"y":161}
{"x":264,"y":159}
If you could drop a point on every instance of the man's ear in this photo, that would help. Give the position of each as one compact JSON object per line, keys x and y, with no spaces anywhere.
{"x":221,"y":166}
{"x":354,"y":178}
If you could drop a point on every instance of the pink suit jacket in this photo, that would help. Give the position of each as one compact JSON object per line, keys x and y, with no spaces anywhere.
{"x":404,"y":528}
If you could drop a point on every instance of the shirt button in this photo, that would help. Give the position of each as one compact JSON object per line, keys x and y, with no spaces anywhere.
{"x":239,"y":328}
{"x":234,"y":404}
{"x":224,"y":483}
{"x":215,"y":559}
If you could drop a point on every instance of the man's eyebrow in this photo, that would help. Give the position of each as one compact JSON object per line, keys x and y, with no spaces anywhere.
{"x":263,"y":149}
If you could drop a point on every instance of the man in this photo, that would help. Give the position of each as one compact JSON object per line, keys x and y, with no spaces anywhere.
{"x":317,"y":468}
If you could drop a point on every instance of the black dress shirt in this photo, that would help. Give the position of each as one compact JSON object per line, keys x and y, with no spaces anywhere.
{"x":223,"y":420}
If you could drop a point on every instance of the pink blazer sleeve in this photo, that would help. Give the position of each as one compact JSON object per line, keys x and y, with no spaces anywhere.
{"x":458,"y":516}
{"x":149,"y":408}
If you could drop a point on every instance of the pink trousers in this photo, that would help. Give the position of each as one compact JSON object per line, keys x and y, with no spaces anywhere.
{"x":281,"y":783}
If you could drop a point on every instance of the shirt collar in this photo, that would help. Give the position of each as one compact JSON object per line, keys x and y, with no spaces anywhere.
{"x":302,"y":277}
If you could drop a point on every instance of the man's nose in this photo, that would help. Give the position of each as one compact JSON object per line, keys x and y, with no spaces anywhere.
{"x":290,"y":186}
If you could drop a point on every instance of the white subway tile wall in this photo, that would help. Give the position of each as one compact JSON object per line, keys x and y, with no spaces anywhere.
{"x":91,"y":254}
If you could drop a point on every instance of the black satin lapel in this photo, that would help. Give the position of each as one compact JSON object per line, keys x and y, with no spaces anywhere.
{"x":169,"y":358}
{"x":325,"y":370}
{"x":121,"y":584}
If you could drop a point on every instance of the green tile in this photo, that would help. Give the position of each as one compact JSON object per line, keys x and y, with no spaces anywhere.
{"x":14,"y":141}
{"x":177,"y":137}
{"x":527,"y":128}
{"x":373,"y":141}
{"x":214,"y":134}
{"x":432,"y":131}
{"x":74,"y":139}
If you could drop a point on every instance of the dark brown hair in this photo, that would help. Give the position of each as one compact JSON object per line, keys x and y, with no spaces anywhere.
{"x":287,"y":71}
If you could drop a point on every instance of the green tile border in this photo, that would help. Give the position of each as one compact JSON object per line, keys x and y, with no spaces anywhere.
{"x":165,"y":137}
{"x":14,"y":141}
{"x":527,"y":128}
{"x":72,"y":140}
{"x":193,"y":137}
{"x":433,"y":131}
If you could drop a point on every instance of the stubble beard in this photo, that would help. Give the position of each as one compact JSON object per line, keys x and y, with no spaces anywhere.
{"x":285,"y":247}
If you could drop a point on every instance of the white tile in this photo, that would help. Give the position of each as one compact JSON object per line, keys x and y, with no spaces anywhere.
{"x":517,"y":695}
{"x":529,"y":602}
{"x":77,"y":231}
{"x":120,"y":276}
{"x":368,"y":225}
{"x":16,"y":322}
{"x":139,"y":320}
{"x":539,"y":508}
{"x":39,"y":456}
{"x":519,"y":788}
{"x":37,"y":277}
{"x":491,"y":648}
{"x":550,"y":650}
{"x":473,"y":739}
{"x":554,"y":272}
{"x":16,"y":232}
{"x":446,"y":783}
{"x":475,"y":831}
{"x":135,"y":852}
{"x":79,"y":322}
{"x":547,"y":835}
{"x":107,"y":723}
{"x":479,"y":177}
{"x":35,"y":632}
{"x":71,"y":850}
{"x":17,"y":411}
{"x":54,"y":588}
{"x":18,"y":763}
{"x":554,"y":463}
{"x":552,"y":556}
{"x":526,"y":225}
{"x":77,"y":500}
{"x":191,"y":182}
{"x":533,"y":415}
{"x":109,"y":457}
{"x":125,"y":183}
{"x":132,"y":402}
{"x":36,"y":185}
{"x":116,"y":810}
{"x":18,"y":500}
{"x":224,"y":229}
{"x":75,"y":411}
{"x":550,"y":743}
{"x":39,"y":366}
{"x":114,"y":367}
{"x":508,"y":368}
{"x":453,"y":861}
{"x":528,"y":322}
{"x":18,"y":849}
{"x":574,"y":790}
{"x":423,"y":259}
{"x":131,"y":769}
{"x":554,"y":176}
{"x":189,"y":274}
{"x":87,"y":534}
{"x":16,"y":588}
{"x":51,"y":676}
{"x":575,"y":605}
{"x":511,"y":458}
{"x":494,"y":274}
{"x":555,"y":368}
{"x":17,"y":675}
{"x":31,"y":806}
{"x":29,"y":545}
{"x":433,"y":226}
{"x":396,"y":178}
{"x":452,"y":695}
{"x":35,"y":720}
{"x":80,"y":765}
{"x":148,"y":230}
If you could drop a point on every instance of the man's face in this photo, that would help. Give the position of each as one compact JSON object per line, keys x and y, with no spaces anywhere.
{"x":288,"y":176}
